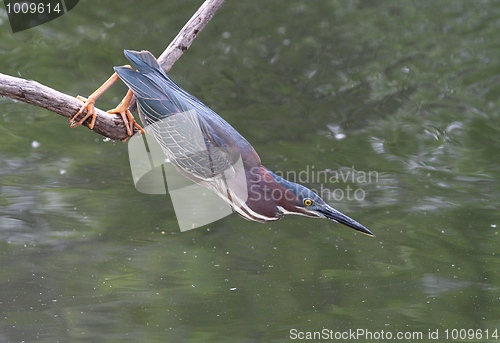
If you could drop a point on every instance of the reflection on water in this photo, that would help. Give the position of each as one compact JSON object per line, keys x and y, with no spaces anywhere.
{"x":32,"y":203}
{"x":435,"y":285}
{"x":406,"y":90}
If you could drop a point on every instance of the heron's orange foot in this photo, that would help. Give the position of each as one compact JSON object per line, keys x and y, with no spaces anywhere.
{"x":122,"y":109}
{"x":128,"y":119}
{"x":88,"y":104}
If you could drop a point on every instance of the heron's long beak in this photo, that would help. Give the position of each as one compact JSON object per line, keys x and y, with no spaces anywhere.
{"x":332,"y":214}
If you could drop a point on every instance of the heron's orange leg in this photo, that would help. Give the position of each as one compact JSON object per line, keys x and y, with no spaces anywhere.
{"x":122,"y":108}
{"x":88,"y":103}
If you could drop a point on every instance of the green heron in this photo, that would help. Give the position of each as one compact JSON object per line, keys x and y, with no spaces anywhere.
{"x":266,"y":196}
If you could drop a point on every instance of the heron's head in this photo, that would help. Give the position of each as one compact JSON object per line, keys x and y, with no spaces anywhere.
{"x":297,"y":199}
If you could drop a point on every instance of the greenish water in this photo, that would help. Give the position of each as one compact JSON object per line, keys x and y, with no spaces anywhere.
{"x":406,"y":90}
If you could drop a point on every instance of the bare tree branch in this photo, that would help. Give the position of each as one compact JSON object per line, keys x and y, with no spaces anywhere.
{"x":108,"y":125}
{"x":188,"y":33}
{"x":36,"y":94}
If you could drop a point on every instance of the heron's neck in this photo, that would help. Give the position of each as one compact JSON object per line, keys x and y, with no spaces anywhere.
{"x":266,"y":192}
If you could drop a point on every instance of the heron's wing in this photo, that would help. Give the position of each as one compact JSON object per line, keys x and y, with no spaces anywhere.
{"x":185,"y":137}
{"x":184,"y":142}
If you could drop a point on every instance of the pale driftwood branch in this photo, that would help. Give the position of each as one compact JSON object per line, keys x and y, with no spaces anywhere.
{"x":108,"y":125}
{"x":36,"y":94}
{"x":188,"y":33}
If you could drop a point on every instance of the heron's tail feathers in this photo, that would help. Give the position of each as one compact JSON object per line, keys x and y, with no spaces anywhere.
{"x":151,"y":85}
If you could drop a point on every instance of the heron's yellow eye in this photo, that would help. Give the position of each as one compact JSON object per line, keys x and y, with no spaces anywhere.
{"x":308,"y":202}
